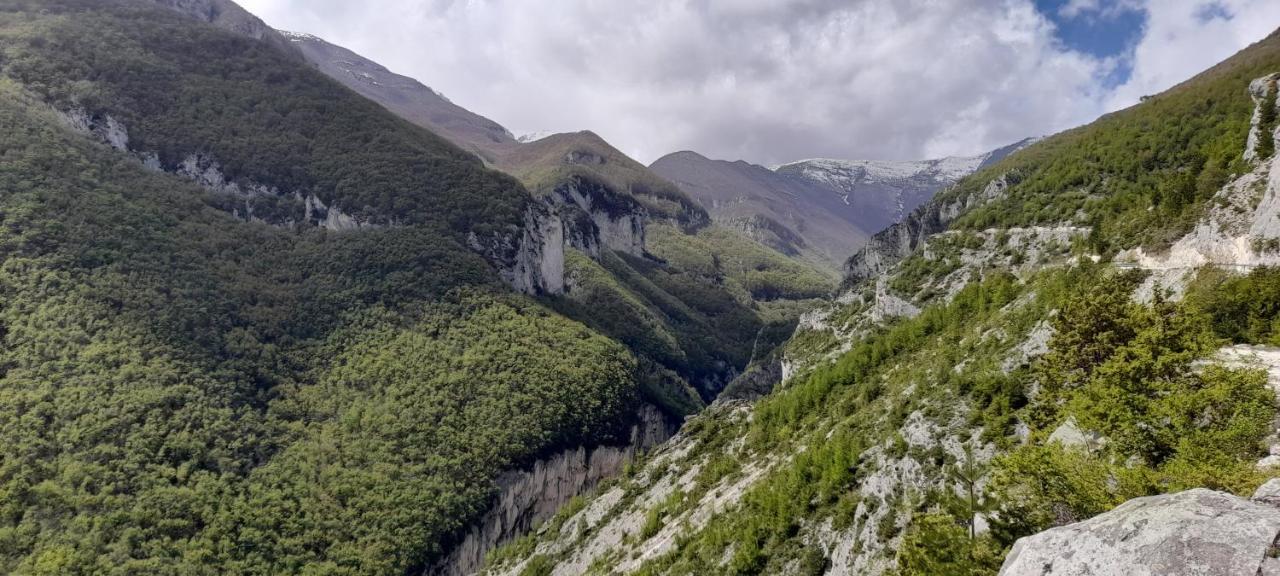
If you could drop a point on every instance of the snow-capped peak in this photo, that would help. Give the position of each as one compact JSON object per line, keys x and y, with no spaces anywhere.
{"x":840,"y":172}
{"x":298,"y":36}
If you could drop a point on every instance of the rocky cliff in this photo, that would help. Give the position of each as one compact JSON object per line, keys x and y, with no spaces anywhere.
{"x":530,"y":496}
{"x":1240,"y":229}
{"x":595,"y":217}
{"x":896,"y":242}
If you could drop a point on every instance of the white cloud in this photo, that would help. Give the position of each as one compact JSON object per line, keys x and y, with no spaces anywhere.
{"x":1183,"y":37}
{"x":764,"y":80}
{"x":1098,"y":8}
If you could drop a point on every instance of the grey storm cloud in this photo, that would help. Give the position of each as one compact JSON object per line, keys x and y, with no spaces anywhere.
{"x":771,"y":81}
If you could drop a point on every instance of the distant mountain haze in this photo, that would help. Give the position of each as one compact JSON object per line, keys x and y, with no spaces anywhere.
{"x":822,"y":207}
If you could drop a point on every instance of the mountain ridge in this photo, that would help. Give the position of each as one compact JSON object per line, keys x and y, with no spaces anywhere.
{"x":824,"y":208}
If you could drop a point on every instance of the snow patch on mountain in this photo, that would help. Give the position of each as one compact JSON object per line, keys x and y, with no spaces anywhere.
{"x":844,"y":173}
{"x":534,"y":136}
{"x":298,"y":36}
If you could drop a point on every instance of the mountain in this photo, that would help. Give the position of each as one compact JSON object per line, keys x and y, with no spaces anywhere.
{"x":825,"y":209}
{"x":1090,"y":321}
{"x":541,"y":162}
{"x":695,"y":318}
{"x":263,"y":322}
{"x":255,"y":322}
{"x":790,"y":216}
{"x":405,"y":97}
{"x":252,"y":322}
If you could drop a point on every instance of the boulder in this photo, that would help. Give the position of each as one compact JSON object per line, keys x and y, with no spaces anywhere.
{"x":1198,"y":532}
{"x":1070,"y":435}
{"x":1268,"y":493}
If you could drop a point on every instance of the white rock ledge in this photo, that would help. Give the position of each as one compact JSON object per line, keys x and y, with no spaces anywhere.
{"x":1198,"y":532}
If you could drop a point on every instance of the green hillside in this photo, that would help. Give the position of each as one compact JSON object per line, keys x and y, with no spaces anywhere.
{"x":1171,"y":153}
{"x":260,"y":114}
{"x":946,"y":376}
{"x":695,"y":321}
{"x":698,"y":302}
{"x":184,"y":391}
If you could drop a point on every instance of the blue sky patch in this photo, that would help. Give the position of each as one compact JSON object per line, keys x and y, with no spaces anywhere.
{"x":1213,"y":11}
{"x":1111,"y":30}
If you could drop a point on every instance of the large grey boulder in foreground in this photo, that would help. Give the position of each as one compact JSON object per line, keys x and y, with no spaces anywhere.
{"x":1197,"y":532}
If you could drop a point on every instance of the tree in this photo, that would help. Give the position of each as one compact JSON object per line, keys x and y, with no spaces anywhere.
{"x":967,"y":473}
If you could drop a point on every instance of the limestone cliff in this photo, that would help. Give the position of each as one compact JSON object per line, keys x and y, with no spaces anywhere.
{"x":530,"y":496}
{"x":596,"y":217}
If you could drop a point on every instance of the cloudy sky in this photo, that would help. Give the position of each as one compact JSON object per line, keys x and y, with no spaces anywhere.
{"x":771,"y":81}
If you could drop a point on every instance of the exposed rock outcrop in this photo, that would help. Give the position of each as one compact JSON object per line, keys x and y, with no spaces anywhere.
{"x":1069,"y":435}
{"x":533,"y":261}
{"x":528,"y":497}
{"x":530,"y":259}
{"x":105,"y":128}
{"x":1240,"y":231}
{"x":896,"y":242}
{"x":1199,"y":532}
{"x":597,"y":217}
{"x":1260,"y":90}
{"x":612,"y":526}
{"x":757,"y":381}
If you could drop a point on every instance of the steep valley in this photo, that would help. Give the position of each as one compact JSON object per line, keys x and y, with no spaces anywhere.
{"x":989,"y":369}
{"x":267,"y":307}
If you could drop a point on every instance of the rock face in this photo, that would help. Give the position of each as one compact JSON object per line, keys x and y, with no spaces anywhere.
{"x":898,"y":241}
{"x":538,"y":264}
{"x":1069,"y":435}
{"x":1260,"y":89}
{"x":1199,"y":532}
{"x":527,"y":497}
{"x":1240,"y":230}
{"x":597,"y":217}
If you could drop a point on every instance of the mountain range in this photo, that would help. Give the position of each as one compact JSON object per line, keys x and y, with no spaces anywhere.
{"x":267,"y":307}
{"x":825,"y":209}
{"x":820,"y":210}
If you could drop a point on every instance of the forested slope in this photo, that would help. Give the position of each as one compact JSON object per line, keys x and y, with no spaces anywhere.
{"x":697,"y":302}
